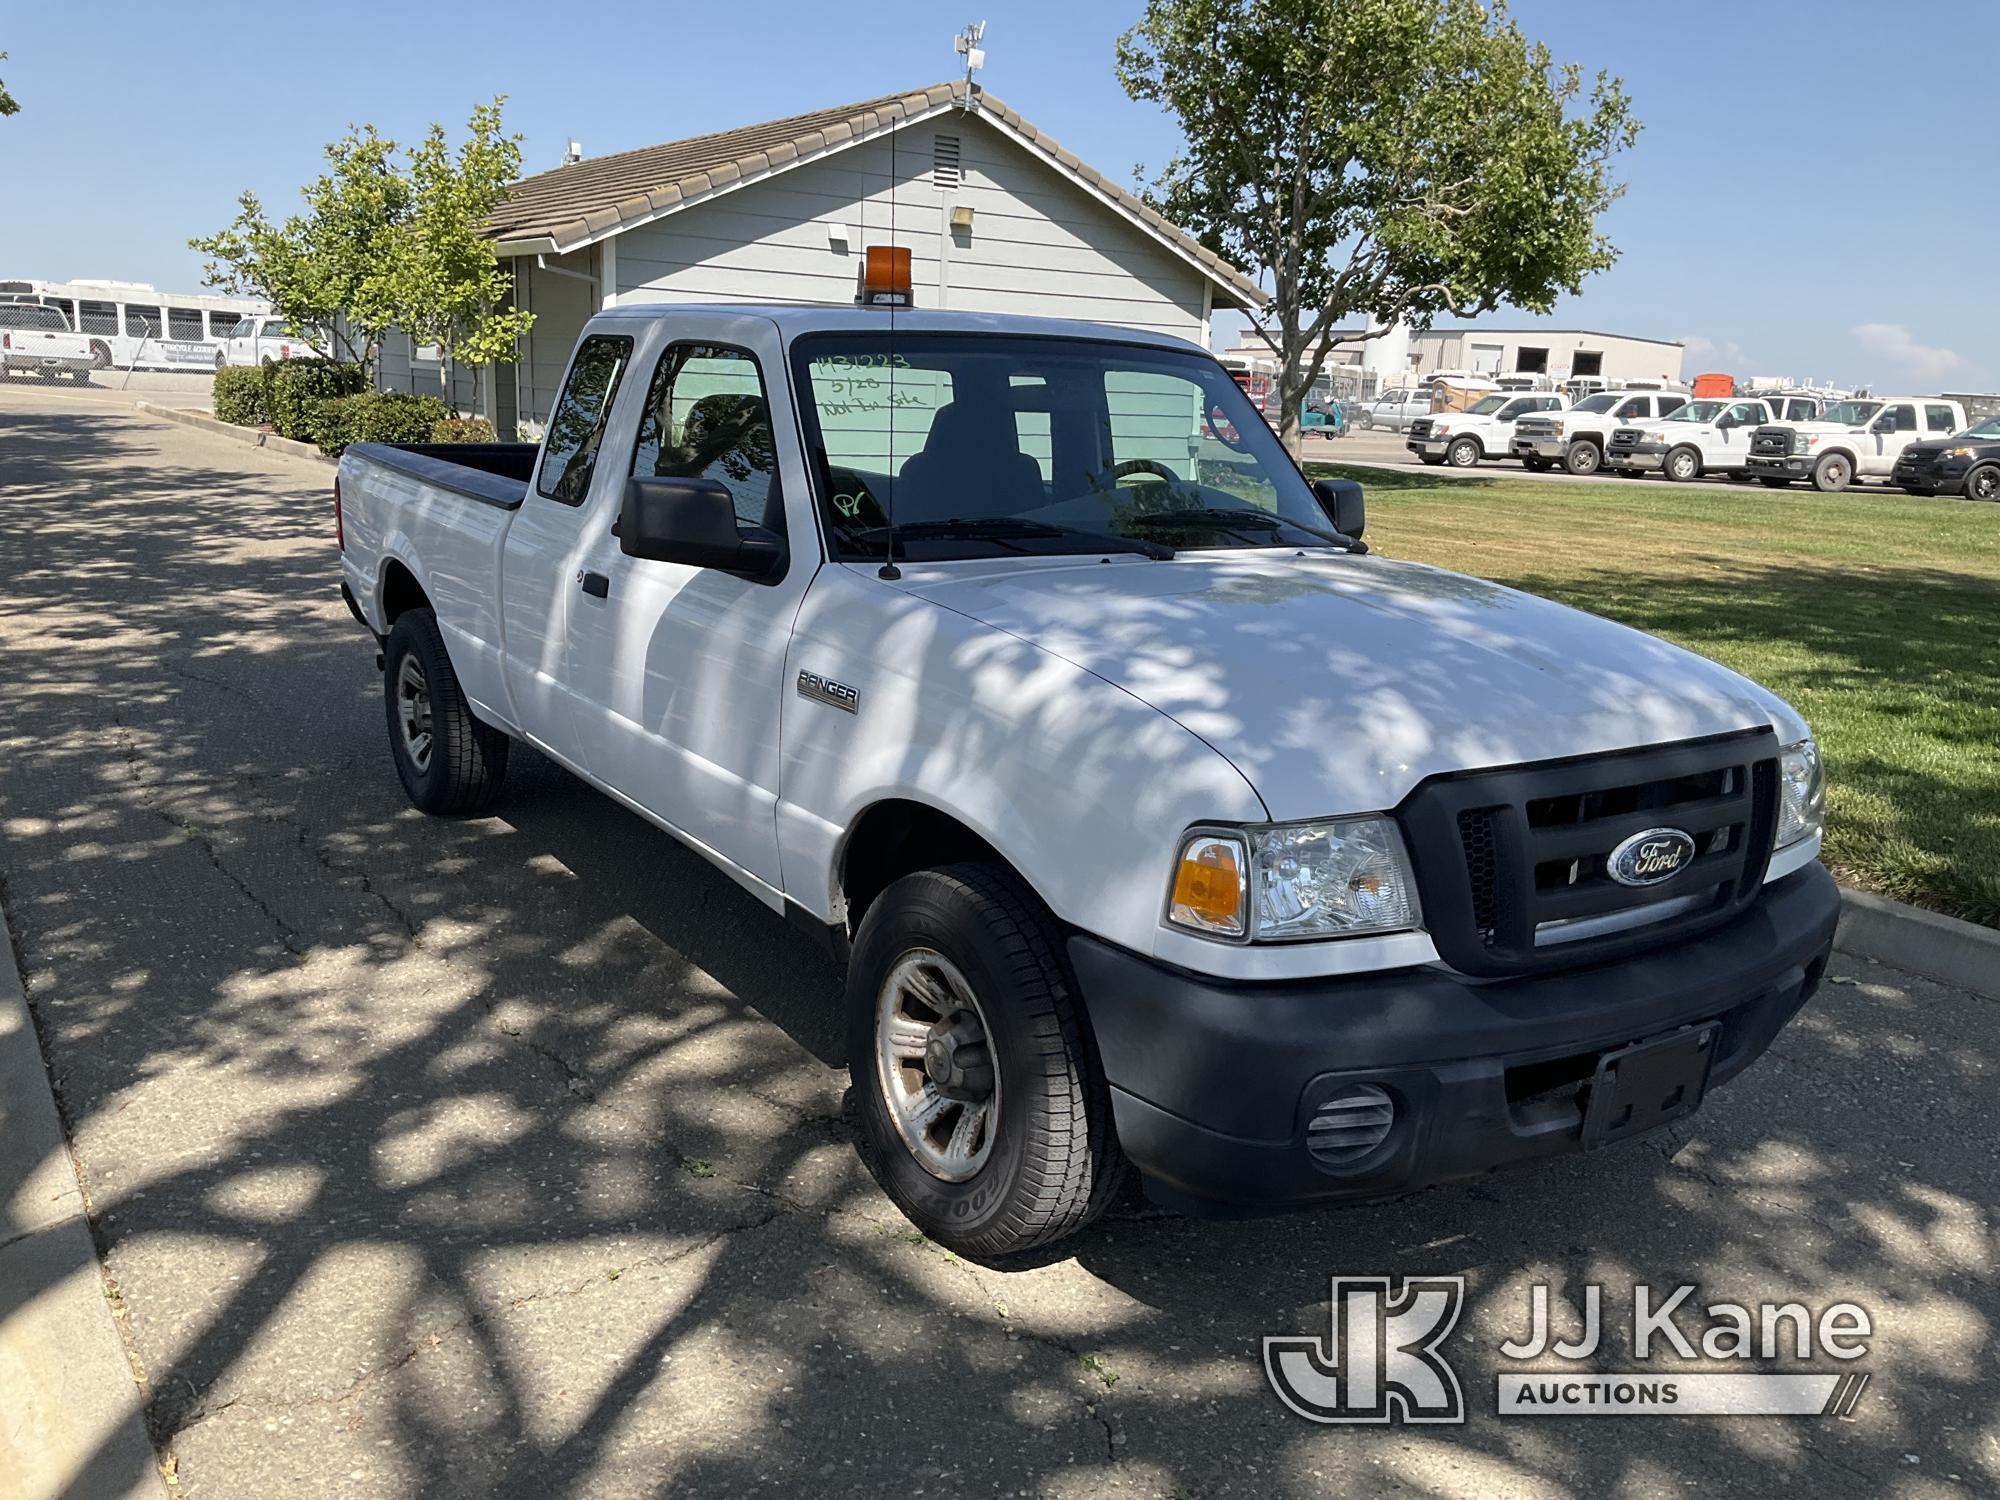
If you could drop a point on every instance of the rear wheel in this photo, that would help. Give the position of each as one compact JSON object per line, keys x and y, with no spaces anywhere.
{"x":1682,"y":465}
{"x":1832,"y":473}
{"x":448,"y":761}
{"x":1583,"y":457}
{"x":1535,"y":462}
{"x":1772,"y":481}
{"x":1463,"y":453}
{"x":1431,"y":460}
{"x":982,"y":1109}
{"x":1983,"y":483}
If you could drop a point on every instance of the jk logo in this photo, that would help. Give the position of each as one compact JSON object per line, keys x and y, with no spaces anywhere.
{"x":1381,"y":1363}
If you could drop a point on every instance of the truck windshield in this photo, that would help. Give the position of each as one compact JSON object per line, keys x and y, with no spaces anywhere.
{"x":1696,"y":411}
{"x":1603,"y":401}
{"x":1852,"y":413}
{"x":1489,"y":405}
{"x":1990,"y":428}
{"x":983,"y":446}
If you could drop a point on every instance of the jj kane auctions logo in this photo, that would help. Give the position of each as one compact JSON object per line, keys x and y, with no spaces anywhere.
{"x":1383,"y":1358}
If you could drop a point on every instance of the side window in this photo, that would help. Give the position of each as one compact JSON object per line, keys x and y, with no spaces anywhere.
{"x":706,"y":417}
{"x":1906,"y":419}
{"x":97,"y":317}
{"x":1939,"y":418}
{"x":142,"y":322}
{"x":1634,"y":408}
{"x":184,"y":322}
{"x":1671,"y":404}
{"x":569,"y":452}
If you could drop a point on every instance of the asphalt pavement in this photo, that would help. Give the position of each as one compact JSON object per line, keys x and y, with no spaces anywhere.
{"x":510,"y":1157}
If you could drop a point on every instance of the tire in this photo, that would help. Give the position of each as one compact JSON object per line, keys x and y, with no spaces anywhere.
{"x":1833,"y":473}
{"x":1535,"y":463}
{"x":1682,"y":465}
{"x":1983,"y":483}
{"x":1583,"y":457}
{"x":100,"y":354}
{"x":79,"y":377}
{"x":1430,"y":461}
{"x":449,"y":762}
{"x":221,"y":360}
{"x":1045,"y":1161}
{"x":1462,"y":453}
{"x":1771,"y":481}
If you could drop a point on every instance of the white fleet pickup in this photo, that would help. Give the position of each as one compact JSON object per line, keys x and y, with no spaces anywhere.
{"x":1853,"y":440}
{"x":1577,"y":438}
{"x":36,"y":340}
{"x":1695,"y":438}
{"x":1462,"y":438}
{"x":1160,"y":822}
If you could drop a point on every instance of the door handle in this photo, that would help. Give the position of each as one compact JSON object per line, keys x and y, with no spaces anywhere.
{"x":597,"y":585}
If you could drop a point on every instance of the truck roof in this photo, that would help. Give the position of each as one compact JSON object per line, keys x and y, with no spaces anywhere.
{"x":795,"y":318}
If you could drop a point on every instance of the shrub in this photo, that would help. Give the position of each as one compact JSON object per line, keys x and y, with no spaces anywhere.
{"x":240,"y":398}
{"x":375,"y":417}
{"x":463,"y":430}
{"x":293,"y":389}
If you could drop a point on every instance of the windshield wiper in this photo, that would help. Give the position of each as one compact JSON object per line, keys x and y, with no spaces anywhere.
{"x":1236,"y":522}
{"x":1005,"y":528}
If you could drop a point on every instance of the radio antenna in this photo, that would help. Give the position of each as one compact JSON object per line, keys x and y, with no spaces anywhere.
{"x":889,"y":570}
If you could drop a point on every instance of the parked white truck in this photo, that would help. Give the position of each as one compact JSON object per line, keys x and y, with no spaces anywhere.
{"x":1704,"y":436}
{"x":1853,"y":440}
{"x":1577,"y":438}
{"x":1159,"y":821}
{"x":1463,"y":438}
{"x":37,"y":340}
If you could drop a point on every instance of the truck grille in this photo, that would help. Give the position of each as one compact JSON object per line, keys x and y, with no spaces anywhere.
{"x":1513,"y":865}
{"x":1535,"y":427}
{"x":1421,"y":428}
{"x":1625,"y":438}
{"x":1917,"y":461}
{"x":1771,"y":442}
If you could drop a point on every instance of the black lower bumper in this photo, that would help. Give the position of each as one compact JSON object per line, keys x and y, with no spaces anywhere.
{"x":1214,"y":1083}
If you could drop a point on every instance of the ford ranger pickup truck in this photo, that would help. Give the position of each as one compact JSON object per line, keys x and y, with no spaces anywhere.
{"x":1853,"y":440}
{"x":1160,"y":822}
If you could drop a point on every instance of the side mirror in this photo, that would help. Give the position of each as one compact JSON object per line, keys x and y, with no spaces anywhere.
{"x":1344,"y":507}
{"x":1884,"y":424}
{"x":693,"y":521}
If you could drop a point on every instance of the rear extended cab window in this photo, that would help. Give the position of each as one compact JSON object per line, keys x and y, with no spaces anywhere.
{"x":576,"y":431}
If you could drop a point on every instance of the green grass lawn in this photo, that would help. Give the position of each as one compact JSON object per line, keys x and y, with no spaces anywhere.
{"x":1875,"y":614}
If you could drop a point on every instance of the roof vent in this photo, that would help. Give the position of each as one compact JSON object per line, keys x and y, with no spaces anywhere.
{"x":573,"y":153}
{"x":945,"y":175}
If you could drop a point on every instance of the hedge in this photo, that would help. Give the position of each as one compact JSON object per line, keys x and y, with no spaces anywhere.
{"x":240,"y":396}
{"x":463,"y":430}
{"x":294,"y":389}
{"x":376,"y":417}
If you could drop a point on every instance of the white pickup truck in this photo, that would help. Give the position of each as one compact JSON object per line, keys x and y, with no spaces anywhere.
{"x":36,"y":340}
{"x":1463,"y":438}
{"x":260,"y":339}
{"x":1852,"y":440}
{"x":1160,"y":822}
{"x":1577,"y":438}
{"x":1710,"y":435}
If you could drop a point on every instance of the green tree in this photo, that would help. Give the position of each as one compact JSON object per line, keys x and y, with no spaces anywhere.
{"x":1378,"y":159}
{"x":443,"y":280}
{"x":8,"y":104}
{"x":324,"y":270}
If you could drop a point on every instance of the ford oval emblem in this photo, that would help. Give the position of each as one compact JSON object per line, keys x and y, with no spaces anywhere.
{"x":1653,"y":856}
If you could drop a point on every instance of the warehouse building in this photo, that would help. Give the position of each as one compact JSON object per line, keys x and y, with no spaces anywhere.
{"x":1553,"y":354}
{"x":999,"y":217}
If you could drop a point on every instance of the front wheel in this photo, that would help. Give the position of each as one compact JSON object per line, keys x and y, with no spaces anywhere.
{"x":1463,"y":453}
{"x":1583,"y":457}
{"x":1535,"y":463}
{"x":1832,"y":473}
{"x":1983,"y":483}
{"x":1431,"y":460}
{"x":1772,"y":482}
{"x":1683,"y":464}
{"x":983,"y":1112}
{"x":448,"y":761}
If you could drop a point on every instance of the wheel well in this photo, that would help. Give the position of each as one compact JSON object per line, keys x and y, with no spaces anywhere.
{"x":897,"y":838}
{"x":400,"y":592}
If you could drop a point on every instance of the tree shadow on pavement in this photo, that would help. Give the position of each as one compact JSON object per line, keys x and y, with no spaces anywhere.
{"x":508,"y":1156}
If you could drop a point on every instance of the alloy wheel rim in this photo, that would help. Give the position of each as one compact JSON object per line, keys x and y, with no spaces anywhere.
{"x":413,"y":712}
{"x":935,"y":1066}
{"x":1986,"y":484}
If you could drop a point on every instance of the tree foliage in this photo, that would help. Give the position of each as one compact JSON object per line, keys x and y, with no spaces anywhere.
{"x":1378,"y":160}
{"x":387,"y":240}
{"x":9,"y":105}
{"x":448,"y":288}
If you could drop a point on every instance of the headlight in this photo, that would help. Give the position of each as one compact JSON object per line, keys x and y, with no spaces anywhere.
{"x":1293,"y":882}
{"x":1439,"y":429}
{"x":1802,"y":805}
{"x":1804,"y":442}
{"x":1656,"y":437}
{"x":1958,"y":453}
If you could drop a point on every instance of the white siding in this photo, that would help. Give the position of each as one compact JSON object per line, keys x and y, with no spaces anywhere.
{"x":1039,"y":244}
{"x":561,"y":305}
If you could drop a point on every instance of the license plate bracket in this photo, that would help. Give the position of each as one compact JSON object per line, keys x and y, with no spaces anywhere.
{"x":1649,"y":1084}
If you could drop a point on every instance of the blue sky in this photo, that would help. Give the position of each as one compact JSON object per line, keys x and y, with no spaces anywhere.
{"x":1808,"y":198}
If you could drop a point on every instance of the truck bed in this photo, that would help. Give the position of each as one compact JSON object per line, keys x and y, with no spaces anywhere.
{"x":491,"y":473}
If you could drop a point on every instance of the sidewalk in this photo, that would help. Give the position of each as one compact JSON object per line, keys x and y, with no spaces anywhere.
{"x":70,"y":1423}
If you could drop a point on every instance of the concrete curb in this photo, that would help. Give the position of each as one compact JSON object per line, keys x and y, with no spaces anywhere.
{"x":1923,"y":942}
{"x":251,"y":435}
{"x":70,"y":1419}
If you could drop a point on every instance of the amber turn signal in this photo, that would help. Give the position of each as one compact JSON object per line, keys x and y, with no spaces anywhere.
{"x":1209,"y":886}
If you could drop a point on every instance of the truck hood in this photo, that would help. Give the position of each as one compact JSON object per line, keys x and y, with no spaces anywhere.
{"x":1337,"y":683}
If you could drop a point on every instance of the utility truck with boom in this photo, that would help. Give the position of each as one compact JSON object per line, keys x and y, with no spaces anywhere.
{"x":1160,"y":823}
